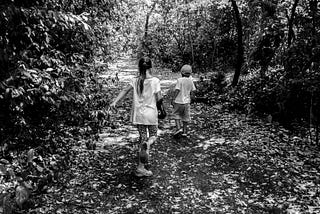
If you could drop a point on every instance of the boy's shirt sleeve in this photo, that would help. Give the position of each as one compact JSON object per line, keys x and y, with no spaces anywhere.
{"x":178,"y":85}
{"x":193,"y":87}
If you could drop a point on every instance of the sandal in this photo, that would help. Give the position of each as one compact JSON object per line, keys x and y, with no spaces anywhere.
{"x":143,"y":172}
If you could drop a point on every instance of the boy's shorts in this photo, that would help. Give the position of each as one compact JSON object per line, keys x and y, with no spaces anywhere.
{"x":181,"y":112}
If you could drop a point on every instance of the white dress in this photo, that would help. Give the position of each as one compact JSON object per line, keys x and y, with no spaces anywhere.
{"x":144,"y":109}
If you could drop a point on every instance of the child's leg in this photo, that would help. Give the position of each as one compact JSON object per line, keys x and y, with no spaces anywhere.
{"x":143,"y":135}
{"x":153,"y":131}
{"x":185,"y":127}
{"x":186,"y":118}
{"x":178,"y":124}
{"x":178,"y":129}
{"x":177,"y":111}
{"x":142,"y":159}
{"x":143,"y":152}
{"x":145,"y":144}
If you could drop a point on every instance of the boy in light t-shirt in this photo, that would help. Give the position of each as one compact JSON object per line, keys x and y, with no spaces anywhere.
{"x":181,"y":100}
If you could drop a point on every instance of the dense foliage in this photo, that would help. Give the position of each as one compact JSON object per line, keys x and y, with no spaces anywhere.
{"x":50,"y":93}
{"x":52,"y":52}
{"x":283,"y":69}
{"x":44,"y":46}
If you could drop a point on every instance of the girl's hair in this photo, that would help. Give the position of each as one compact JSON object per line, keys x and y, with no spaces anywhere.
{"x":144,"y":64}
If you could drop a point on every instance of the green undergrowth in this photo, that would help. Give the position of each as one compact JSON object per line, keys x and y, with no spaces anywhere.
{"x":37,"y":145}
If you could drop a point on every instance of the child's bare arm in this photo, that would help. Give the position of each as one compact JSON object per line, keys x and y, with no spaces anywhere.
{"x":192,"y":95}
{"x":122,"y":94}
{"x":175,"y":94}
{"x":158,"y":96}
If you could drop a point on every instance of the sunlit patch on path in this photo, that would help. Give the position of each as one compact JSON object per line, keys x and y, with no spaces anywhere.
{"x":229,"y":163}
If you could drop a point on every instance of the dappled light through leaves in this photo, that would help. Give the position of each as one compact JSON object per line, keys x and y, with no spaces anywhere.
{"x":253,"y":142}
{"x":230,"y":163}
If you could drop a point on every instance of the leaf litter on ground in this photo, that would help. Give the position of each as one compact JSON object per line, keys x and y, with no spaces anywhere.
{"x":230,"y":163}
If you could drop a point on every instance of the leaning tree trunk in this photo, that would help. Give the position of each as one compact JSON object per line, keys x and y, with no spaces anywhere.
{"x":240,"y":57}
{"x":145,"y":46}
{"x":190,"y":37}
{"x":290,"y":23}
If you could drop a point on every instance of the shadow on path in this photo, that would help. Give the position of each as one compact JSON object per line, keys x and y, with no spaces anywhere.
{"x":229,"y":164}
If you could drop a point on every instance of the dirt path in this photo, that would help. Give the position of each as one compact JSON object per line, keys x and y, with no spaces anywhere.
{"x":229,"y":164}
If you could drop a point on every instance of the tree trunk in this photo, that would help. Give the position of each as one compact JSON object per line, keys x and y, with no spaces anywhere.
{"x":215,"y":49}
{"x":190,"y":37}
{"x":314,"y":10}
{"x":290,"y":24}
{"x":145,"y":46}
{"x":240,"y":57}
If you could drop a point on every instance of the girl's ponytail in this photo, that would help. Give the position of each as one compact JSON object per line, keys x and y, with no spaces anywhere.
{"x":144,"y":65}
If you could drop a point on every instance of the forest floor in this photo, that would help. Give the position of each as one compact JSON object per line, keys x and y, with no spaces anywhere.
{"x":230,"y":163}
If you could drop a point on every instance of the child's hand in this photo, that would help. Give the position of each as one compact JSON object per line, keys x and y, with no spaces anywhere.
{"x":113,"y":105}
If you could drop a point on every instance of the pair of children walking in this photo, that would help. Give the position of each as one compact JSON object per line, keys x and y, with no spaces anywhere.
{"x":146,"y":93}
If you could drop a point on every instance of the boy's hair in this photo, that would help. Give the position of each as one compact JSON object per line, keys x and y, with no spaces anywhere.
{"x":186,"y":70}
{"x":185,"y":75}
